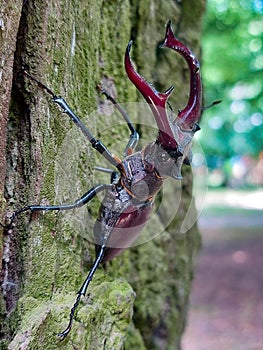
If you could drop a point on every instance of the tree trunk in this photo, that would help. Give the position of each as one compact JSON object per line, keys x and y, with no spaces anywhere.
{"x":72,"y":46}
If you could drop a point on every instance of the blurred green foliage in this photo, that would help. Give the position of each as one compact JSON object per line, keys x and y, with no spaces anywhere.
{"x":232,"y":69}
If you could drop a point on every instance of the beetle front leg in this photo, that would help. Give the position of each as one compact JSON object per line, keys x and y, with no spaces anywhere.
{"x":97,"y":144}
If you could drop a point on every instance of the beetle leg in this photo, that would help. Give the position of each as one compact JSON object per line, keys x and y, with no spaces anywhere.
{"x":114,"y":174}
{"x":83,"y":290}
{"x":97,"y":144}
{"x":78,"y":203}
{"x":134,"y":137}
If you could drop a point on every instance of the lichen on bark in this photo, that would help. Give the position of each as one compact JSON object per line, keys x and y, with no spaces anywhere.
{"x":72,"y":46}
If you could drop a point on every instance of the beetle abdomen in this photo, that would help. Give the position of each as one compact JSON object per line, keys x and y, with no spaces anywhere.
{"x":128,"y":219}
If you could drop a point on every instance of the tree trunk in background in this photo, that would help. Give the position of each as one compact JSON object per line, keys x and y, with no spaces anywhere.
{"x":72,"y":46}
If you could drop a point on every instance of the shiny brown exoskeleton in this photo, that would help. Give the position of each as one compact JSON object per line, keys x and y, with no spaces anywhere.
{"x":129,"y":198}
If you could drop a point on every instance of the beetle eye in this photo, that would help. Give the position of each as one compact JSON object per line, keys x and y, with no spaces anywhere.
{"x":174,"y":154}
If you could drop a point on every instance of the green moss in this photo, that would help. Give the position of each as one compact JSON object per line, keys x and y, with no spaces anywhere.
{"x":108,"y":309}
{"x":72,"y":46}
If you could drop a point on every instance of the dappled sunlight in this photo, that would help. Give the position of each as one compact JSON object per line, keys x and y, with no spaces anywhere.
{"x":232,"y":69}
{"x":226,"y":305}
{"x":240,"y":257}
{"x":235,"y":199}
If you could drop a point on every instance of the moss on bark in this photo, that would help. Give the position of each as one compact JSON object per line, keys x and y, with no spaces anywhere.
{"x":72,"y":46}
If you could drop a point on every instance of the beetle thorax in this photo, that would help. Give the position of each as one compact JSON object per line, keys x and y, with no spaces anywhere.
{"x":139,"y":179}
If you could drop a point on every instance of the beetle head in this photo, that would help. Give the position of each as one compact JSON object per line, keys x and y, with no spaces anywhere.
{"x":175,"y":134}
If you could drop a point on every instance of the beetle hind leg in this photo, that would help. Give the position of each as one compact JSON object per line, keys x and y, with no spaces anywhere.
{"x":83,"y":291}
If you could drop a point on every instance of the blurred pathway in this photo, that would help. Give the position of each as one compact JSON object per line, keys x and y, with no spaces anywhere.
{"x":226,"y":310}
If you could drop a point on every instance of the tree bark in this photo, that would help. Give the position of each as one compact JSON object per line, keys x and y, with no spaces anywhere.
{"x":72,"y":46}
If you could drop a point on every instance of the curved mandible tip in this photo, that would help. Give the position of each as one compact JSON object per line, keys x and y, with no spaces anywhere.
{"x":156,"y":100}
{"x":192,"y":111}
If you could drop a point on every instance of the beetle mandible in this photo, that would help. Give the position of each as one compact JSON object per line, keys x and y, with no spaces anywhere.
{"x":129,"y":199}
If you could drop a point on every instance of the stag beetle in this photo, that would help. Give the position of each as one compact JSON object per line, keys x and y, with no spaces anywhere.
{"x":129,"y":199}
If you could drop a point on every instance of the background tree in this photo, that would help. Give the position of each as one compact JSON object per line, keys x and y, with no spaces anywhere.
{"x":72,"y":46}
{"x":233,"y":72}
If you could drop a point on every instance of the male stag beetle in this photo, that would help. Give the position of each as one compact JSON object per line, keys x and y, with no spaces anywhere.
{"x":129,"y":199}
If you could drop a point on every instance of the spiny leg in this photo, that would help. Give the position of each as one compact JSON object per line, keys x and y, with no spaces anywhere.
{"x":97,"y":144}
{"x":78,"y":203}
{"x":83,"y":291}
{"x":134,"y":137}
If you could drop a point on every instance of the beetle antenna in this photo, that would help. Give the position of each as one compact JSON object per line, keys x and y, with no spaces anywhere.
{"x":212,"y":104}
